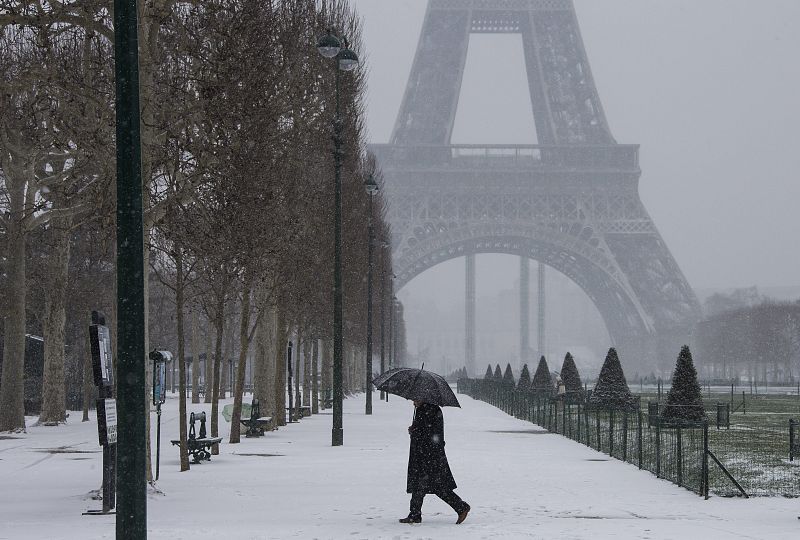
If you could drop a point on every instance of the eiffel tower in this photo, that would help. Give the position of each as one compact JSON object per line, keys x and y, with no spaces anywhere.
{"x":570,"y":202}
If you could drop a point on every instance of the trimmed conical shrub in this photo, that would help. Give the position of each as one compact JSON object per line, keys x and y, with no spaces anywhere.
{"x":524,"y":379}
{"x":611,"y":390}
{"x":508,"y":376}
{"x":542,"y":384}
{"x":489,"y":375}
{"x":571,"y":379}
{"x":684,"y":400}
{"x":498,"y":373}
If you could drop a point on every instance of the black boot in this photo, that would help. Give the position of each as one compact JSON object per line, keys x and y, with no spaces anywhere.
{"x":411,"y":519}
{"x":463,"y":514}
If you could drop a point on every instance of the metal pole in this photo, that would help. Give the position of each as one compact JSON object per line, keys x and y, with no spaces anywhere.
{"x":158,"y":440}
{"x":131,"y":472}
{"x":369,"y":313}
{"x":337,"y":432}
{"x":383,"y":314}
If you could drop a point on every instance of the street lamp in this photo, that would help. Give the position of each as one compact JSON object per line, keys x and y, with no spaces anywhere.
{"x":330,"y":46}
{"x":131,"y":477}
{"x":372,"y":188}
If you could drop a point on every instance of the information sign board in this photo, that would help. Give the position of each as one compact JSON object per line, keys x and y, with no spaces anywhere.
{"x":107,"y":421}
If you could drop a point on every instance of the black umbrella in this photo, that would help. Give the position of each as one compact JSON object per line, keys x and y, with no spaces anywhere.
{"x":418,"y":385}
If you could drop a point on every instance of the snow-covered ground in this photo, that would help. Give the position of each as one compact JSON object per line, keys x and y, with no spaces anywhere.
{"x":520,"y":481}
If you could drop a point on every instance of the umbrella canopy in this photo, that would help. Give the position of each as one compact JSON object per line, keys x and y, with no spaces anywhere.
{"x":418,"y":385}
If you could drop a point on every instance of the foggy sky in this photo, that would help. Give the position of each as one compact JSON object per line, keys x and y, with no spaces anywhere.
{"x":709,"y":88}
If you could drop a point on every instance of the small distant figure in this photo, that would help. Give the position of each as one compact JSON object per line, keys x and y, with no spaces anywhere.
{"x":428,"y":470}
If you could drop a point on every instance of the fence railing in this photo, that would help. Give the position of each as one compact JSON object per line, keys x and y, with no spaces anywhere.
{"x":675,"y":453}
{"x":728,"y":462}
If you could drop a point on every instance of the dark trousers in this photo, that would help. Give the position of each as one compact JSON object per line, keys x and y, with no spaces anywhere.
{"x":449,"y":497}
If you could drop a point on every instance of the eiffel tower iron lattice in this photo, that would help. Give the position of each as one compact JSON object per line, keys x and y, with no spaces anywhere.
{"x":570,"y":202}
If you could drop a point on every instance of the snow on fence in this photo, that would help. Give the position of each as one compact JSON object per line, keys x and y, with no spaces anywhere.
{"x":726,"y":462}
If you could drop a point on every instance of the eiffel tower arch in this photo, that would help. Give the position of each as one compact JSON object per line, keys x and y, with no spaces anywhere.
{"x":570,"y":202}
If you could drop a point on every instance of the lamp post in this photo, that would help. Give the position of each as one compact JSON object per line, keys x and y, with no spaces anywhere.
{"x":329,"y":46}
{"x":131,"y":410}
{"x":372,"y":188}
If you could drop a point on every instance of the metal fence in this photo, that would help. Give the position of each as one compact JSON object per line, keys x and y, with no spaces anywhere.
{"x":727,"y":462}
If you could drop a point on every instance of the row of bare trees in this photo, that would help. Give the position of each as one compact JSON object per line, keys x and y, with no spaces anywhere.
{"x":237,"y":108}
{"x":754,"y":343}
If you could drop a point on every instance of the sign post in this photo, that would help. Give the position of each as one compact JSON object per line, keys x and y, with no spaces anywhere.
{"x":160,"y":360}
{"x":103,"y":369}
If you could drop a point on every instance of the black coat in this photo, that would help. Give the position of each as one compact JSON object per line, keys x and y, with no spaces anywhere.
{"x":428,"y":470}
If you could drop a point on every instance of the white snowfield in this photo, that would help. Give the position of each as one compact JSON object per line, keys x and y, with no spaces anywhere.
{"x":520,"y":481}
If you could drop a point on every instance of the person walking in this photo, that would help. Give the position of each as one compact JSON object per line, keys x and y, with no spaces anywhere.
{"x":428,"y":470}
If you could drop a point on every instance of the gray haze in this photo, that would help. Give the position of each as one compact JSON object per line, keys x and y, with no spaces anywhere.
{"x":709,"y":90}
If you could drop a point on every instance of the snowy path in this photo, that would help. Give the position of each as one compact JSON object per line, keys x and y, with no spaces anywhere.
{"x":520,"y":481}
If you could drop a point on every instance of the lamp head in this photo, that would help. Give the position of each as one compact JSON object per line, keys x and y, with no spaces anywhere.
{"x":348,"y":60}
{"x":329,"y":45}
{"x":371,"y":185}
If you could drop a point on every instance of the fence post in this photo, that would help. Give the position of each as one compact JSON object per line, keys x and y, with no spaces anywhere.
{"x":680,"y":458}
{"x":639,"y":437}
{"x":658,"y":448}
{"x":597,"y":421}
{"x":704,"y":488}
{"x":624,"y":435}
{"x":792,"y":432}
{"x":578,"y":432}
{"x":744,"y":404}
{"x":586,"y":424}
{"x":611,"y":433}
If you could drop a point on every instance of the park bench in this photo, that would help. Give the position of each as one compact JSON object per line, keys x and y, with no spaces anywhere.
{"x":299,"y":413}
{"x":198,"y":447}
{"x":256,"y":424}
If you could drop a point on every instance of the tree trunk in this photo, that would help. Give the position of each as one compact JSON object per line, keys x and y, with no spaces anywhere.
{"x":327,"y":372}
{"x":208,"y":366}
{"x":219,"y":323}
{"x":88,"y":378}
{"x":53,"y":384}
{"x":307,"y":372}
{"x":12,"y":399}
{"x":298,"y":357}
{"x":241,"y":366}
{"x":315,"y":377}
{"x":195,"y":359}
{"x":227,"y":336}
{"x":346,"y":368}
{"x":279,"y":413}
{"x":181,"y":358}
{"x":265,"y":355}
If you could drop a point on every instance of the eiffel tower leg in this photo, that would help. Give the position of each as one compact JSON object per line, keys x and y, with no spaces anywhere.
{"x":470,"y":315}
{"x":541,"y":289}
{"x":524,"y":309}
